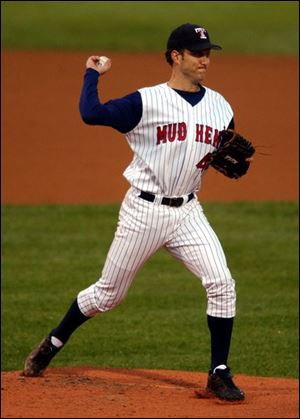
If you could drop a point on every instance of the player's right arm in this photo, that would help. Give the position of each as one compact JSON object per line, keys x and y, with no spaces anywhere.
{"x":122,"y":114}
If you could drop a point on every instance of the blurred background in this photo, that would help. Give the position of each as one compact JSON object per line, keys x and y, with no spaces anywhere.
{"x":245,"y":27}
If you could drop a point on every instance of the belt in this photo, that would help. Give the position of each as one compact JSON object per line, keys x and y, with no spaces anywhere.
{"x":172,"y":202}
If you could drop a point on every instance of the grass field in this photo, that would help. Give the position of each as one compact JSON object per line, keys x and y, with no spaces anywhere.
{"x":247,"y":27}
{"x":49,"y":253}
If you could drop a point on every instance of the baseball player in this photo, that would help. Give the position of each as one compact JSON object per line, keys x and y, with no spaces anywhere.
{"x":170,"y":127}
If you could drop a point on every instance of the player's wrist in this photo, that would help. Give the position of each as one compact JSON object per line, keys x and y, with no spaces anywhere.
{"x":91,"y":70}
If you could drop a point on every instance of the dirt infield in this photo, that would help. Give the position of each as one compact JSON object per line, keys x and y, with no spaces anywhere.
{"x":121,"y":393}
{"x":50,"y":156}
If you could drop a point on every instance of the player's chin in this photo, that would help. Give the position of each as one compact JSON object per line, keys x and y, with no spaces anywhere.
{"x":201,"y":72}
{"x":200,"y":76}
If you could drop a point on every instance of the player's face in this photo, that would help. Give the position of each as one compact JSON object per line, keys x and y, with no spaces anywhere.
{"x":194,"y":64}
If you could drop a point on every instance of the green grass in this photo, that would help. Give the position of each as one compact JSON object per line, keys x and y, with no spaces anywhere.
{"x":50,"y":253}
{"x":247,"y":27}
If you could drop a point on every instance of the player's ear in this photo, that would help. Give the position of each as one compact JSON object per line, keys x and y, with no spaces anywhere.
{"x":176,"y":56}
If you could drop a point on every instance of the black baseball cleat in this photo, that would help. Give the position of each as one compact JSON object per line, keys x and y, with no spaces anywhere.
{"x":39,"y":359}
{"x":221,"y":385}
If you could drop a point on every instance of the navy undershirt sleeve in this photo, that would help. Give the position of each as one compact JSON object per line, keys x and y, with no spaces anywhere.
{"x":231,"y":124}
{"x":122,"y":114}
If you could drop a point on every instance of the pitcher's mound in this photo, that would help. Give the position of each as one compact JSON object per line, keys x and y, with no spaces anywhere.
{"x":124,"y":393}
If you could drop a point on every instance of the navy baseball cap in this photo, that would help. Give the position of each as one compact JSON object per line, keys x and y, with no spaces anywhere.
{"x":190,"y":36}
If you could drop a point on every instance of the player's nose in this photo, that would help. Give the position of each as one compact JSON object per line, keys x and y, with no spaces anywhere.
{"x":204,"y":59}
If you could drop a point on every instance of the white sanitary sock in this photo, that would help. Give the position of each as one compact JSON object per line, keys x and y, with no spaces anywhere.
{"x":56,"y":342}
{"x":220,"y":367}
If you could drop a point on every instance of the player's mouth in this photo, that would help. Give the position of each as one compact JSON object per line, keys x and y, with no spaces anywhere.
{"x":201,"y":70}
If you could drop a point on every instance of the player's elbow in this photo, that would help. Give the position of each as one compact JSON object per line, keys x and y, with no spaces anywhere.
{"x":86,"y":113}
{"x":87,"y":117}
{"x":88,"y":120}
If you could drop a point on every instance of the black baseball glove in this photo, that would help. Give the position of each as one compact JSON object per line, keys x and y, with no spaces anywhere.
{"x":231,"y":156}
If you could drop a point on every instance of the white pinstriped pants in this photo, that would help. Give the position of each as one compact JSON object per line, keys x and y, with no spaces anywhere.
{"x":143,"y":228}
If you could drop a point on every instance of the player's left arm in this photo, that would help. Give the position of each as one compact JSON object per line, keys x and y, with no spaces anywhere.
{"x":232,"y":127}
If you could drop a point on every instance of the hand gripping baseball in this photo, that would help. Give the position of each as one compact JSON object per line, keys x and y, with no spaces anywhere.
{"x":100,"y":64}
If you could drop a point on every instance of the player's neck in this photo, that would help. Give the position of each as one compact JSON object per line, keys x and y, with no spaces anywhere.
{"x":184,"y":84}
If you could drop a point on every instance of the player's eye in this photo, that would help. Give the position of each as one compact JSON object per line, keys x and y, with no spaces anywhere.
{"x":203,"y":53}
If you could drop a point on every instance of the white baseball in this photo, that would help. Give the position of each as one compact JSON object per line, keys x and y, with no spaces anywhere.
{"x":102,"y":60}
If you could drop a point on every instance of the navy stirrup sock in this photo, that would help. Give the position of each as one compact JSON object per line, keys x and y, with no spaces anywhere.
{"x":72,"y":320}
{"x":220,"y":331}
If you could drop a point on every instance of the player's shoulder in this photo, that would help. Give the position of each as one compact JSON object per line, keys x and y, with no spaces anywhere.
{"x":213,"y":94}
{"x":216,"y":98}
{"x":157,"y":88}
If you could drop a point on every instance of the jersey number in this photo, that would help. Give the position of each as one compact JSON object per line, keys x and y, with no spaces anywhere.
{"x":203,"y":163}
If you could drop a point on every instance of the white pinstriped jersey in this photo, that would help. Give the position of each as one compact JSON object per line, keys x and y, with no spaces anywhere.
{"x":172,"y":137}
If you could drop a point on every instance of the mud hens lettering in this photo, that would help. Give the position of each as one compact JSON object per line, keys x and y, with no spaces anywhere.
{"x":178,"y":132}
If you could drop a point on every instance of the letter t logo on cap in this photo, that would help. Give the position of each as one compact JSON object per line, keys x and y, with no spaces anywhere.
{"x":201,"y":32}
